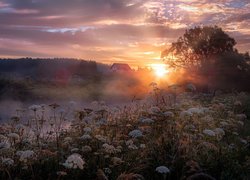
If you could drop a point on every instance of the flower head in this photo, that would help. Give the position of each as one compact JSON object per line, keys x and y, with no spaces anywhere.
{"x":162,"y":170}
{"x":135,"y":133}
{"x":74,"y":161}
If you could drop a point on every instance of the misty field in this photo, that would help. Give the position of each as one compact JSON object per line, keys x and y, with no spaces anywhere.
{"x":166,"y":135}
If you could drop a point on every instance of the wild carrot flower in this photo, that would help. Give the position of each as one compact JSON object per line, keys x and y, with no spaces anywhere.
{"x":34,"y":107}
{"x":135,"y":133}
{"x":86,"y":149}
{"x":7,"y":161}
{"x":147,"y":120}
{"x":25,"y":155}
{"x":85,"y":137}
{"x":209,"y":132}
{"x":74,"y":161}
{"x":162,"y":170}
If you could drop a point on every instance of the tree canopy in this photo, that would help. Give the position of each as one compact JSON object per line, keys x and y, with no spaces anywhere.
{"x":208,"y":53}
{"x":196,"y":47}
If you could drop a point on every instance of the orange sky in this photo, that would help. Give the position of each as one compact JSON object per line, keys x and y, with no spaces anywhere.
{"x":132,"y":31}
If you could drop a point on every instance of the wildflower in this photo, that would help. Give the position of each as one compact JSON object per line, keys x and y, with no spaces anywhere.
{"x":223,"y":123}
{"x":117,"y":161}
{"x":7,"y":161}
{"x":237,"y":103}
{"x":54,"y":105}
{"x":185,"y":114}
{"x":2,"y":138}
{"x":85,"y":137}
{"x":209,"y":132}
{"x":86,"y":149}
{"x":107,"y":170}
{"x":235,"y":133}
{"x":243,"y":141}
{"x":239,"y":67}
{"x":132,"y":146}
{"x":101,"y":138}
{"x":147,"y":120}
{"x":87,"y":119}
{"x":34,"y":107}
{"x":129,"y":142}
{"x":4,"y":145}
{"x":13,"y":136}
{"x":195,"y":111}
{"x":135,"y":133}
{"x":241,"y":117}
{"x":74,"y":161}
{"x":61,"y":111}
{"x":87,"y":130}
{"x":154,"y":110}
{"x":119,"y":149}
{"x":142,"y":146}
{"x":162,"y":170}
{"x":208,"y":145}
{"x":207,"y":118}
{"x":68,"y":140}
{"x":109,"y":148}
{"x":168,"y":114}
{"x":94,"y":103}
{"x":240,"y":123}
{"x":219,"y":131}
{"x":191,"y":87}
{"x":20,"y":127}
{"x":74,"y":150}
{"x":102,"y":121}
{"x":25,"y":155}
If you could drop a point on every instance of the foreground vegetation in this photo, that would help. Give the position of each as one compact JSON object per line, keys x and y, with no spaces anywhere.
{"x":167,"y":135}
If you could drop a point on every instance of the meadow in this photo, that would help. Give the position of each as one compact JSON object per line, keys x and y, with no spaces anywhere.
{"x":175,"y":134}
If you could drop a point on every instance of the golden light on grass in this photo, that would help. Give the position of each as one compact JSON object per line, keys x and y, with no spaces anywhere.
{"x":160,"y":70}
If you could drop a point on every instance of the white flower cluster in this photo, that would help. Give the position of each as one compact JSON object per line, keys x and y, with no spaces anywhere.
{"x":162,"y":170}
{"x":7,"y":161}
{"x":85,"y":137}
{"x":209,"y":132}
{"x":87,"y":130}
{"x":4,"y":145}
{"x":74,"y":161}
{"x":154,"y":110}
{"x":35,"y":107}
{"x":109,"y":148}
{"x":13,"y":136}
{"x":130,"y":144}
{"x":25,"y":156}
{"x":168,"y":114}
{"x":147,"y":120}
{"x":135,"y":133}
{"x":101,"y":138}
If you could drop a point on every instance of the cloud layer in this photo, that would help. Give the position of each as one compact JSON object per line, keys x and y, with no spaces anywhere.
{"x":134,"y":31}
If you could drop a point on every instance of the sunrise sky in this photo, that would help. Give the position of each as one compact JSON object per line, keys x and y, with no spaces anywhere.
{"x":132,"y":31}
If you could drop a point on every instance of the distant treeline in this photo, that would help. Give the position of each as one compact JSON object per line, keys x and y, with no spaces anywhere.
{"x":49,"y":68}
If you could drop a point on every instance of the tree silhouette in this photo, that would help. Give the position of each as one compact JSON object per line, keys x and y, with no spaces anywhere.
{"x":196,"y":47}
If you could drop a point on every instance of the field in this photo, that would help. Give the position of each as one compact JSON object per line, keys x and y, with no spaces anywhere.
{"x":166,"y":135}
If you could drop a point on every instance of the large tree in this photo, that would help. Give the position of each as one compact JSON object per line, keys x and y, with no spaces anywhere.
{"x":208,"y":53}
{"x":196,"y":47}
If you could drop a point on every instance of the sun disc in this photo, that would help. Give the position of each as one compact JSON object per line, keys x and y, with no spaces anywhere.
{"x":159,"y":69}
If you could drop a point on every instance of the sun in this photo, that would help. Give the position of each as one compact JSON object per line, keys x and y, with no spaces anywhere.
{"x":160,"y":70}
